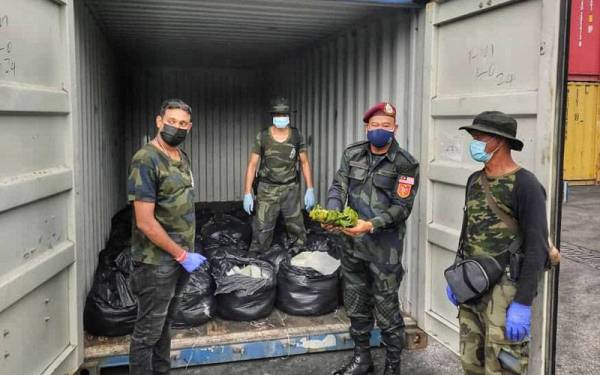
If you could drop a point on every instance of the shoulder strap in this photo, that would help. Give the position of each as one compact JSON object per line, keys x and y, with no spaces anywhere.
{"x":510,"y":222}
{"x":463,"y":230}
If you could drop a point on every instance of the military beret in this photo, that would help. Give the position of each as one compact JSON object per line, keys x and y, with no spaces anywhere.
{"x":380,"y":109}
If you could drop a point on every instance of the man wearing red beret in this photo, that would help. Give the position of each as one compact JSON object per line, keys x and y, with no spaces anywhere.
{"x":379,"y":180}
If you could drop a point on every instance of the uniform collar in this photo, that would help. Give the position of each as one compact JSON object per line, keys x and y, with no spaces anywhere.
{"x":391,"y":152}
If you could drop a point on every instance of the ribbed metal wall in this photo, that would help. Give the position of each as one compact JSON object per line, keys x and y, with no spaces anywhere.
{"x":99,"y":159}
{"x":228,"y":108}
{"x":332,"y":84}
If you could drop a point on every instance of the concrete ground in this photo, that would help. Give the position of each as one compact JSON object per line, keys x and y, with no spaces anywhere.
{"x":578,"y":344}
{"x":578,"y":336}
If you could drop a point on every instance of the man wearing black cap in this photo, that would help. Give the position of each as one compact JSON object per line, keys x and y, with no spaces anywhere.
{"x":282,"y":154}
{"x":504,"y":203}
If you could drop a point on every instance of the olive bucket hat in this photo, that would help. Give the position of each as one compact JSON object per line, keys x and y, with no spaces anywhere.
{"x":497,"y":123}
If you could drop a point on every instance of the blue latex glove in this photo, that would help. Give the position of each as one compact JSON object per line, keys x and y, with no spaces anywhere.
{"x":309,"y":199}
{"x":451,"y":296}
{"x":248,"y":203}
{"x":192,"y":261}
{"x":518,"y":322}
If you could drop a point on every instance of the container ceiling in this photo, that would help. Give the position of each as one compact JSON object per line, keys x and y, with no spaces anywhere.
{"x":228,"y":33}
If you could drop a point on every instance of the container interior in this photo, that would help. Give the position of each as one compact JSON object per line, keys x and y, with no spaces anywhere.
{"x":332,"y":59}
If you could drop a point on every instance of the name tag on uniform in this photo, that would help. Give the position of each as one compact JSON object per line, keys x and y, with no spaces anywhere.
{"x":405,"y":184}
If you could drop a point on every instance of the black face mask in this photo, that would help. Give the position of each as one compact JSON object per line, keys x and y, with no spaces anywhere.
{"x":173,"y":136}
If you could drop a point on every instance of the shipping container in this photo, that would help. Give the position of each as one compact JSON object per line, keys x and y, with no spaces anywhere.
{"x":81,"y":82}
{"x":582,"y":135}
{"x":584,"y":46}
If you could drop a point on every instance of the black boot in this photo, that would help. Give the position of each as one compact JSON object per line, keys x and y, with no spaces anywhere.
{"x":394,"y":345}
{"x":360,"y":364}
{"x":392,"y":364}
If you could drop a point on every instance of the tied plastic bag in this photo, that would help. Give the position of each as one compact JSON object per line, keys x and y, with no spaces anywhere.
{"x":120,"y":229}
{"x":241,"y":297}
{"x":219,"y":251}
{"x":110,"y":307}
{"x":276,"y":254}
{"x":225,"y":230}
{"x":196,"y":304}
{"x":306,"y":291}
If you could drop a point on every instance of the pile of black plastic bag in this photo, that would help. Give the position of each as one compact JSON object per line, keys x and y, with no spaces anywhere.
{"x":223,"y":235}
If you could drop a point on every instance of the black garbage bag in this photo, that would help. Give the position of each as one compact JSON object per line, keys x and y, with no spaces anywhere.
{"x":305,"y":291}
{"x":203,"y":216}
{"x":212,"y":251}
{"x":330,"y":243}
{"x":276,"y":254}
{"x":124,"y":262}
{"x":241,"y":297}
{"x":224,"y":229}
{"x":110,"y":307}
{"x":120,"y":229}
{"x":196,"y":304}
{"x":238,"y":212}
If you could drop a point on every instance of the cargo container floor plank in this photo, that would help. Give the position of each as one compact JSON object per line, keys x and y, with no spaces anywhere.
{"x":221,"y":341}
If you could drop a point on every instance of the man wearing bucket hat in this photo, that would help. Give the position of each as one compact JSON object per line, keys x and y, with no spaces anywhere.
{"x":379,"y":180}
{"x":504,"y":204}
{"x":281,"y":151}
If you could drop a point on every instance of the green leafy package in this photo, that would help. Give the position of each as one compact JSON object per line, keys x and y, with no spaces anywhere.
{"x":346,"y":219}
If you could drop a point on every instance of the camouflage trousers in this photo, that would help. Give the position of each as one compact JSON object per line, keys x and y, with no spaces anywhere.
{"x":270,"y":201}
{"x":482,"y":333}
{"x":371,"y":293}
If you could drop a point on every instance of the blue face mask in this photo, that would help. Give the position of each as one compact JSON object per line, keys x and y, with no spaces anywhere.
{"x":477,"y":149}
{"x":281,"y":122}
{"x":379,"y":137}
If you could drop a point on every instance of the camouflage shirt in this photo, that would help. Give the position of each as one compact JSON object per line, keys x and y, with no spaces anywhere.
{"x":521,"y":196}
{"x":279,"y":160}
{"x":381,"y":189}
{"x":486,"y":233}
{"x":154,"y":177}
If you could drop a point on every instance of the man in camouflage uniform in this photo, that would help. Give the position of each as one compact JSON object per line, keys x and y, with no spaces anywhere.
{"x":279,"y":148}
{"x":161,"y":188}
{"x":379,"y":180}
{"x":494,"y":330}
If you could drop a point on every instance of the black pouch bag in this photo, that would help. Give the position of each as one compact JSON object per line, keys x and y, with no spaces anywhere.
{"x":473,"y":277}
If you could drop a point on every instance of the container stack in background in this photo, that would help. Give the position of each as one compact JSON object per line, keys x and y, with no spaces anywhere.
{"x":582,"y":143}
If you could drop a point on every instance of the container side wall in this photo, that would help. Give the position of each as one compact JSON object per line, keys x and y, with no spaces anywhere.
{"x":99,"y":145}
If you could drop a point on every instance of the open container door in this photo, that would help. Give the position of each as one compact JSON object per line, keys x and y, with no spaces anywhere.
{"x":484,"y":55}
{"x":39,"y":319}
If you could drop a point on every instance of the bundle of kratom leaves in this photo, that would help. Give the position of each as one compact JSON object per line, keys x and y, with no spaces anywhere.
{"x":344,"y":219}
